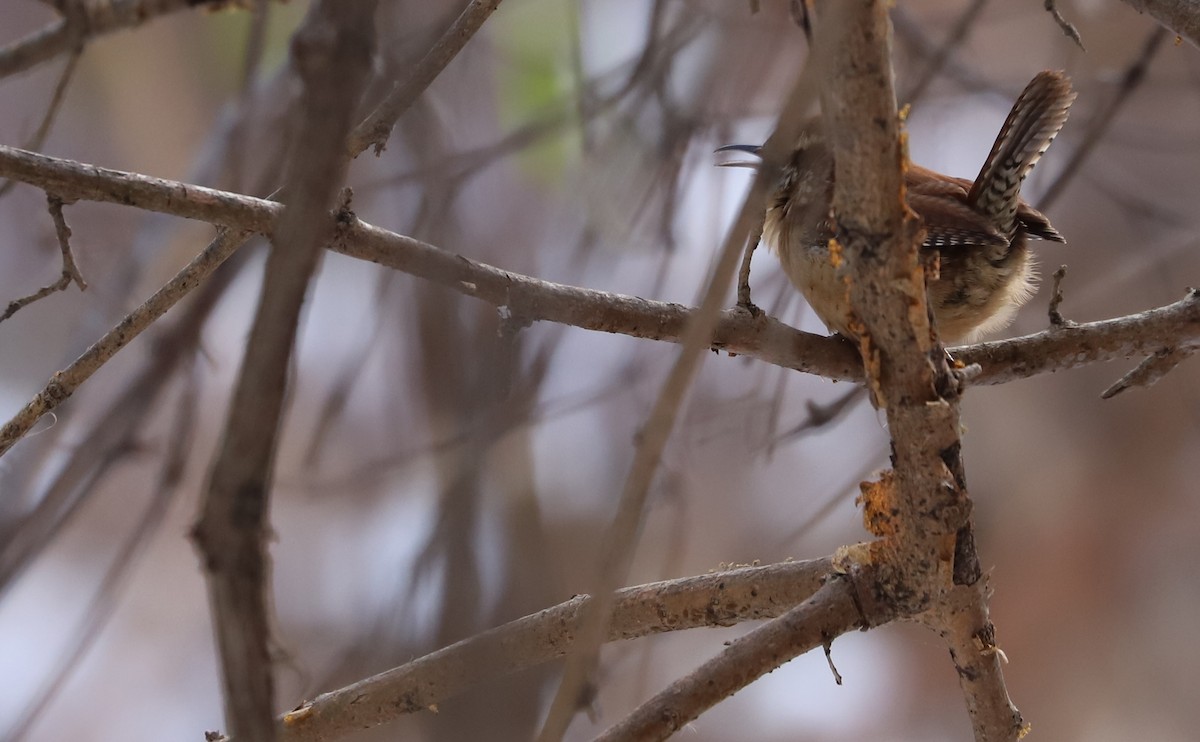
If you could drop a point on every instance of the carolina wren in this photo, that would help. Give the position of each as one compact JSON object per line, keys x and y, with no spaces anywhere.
{"x":979,"y":229}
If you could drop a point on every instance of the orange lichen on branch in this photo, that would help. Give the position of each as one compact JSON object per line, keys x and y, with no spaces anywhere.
{"x":878,"y":502}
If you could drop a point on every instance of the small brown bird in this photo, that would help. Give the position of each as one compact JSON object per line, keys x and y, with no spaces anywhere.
{"x":979,"y":229}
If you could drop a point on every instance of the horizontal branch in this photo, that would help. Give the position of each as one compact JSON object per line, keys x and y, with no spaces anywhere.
{"x":717,"y":599}
{"x":85,"y":20}
{"x":737,"y":332}
{"x":1071,"y":346}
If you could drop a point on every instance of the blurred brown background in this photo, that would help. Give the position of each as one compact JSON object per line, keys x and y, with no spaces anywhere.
{"x":436,"y":479}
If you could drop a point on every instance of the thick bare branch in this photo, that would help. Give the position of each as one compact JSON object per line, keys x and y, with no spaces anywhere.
{"x":879,"y":238}
{"x":829,"y":613}
{"x":332,"y":53}
{"x":737,"y":332}
{"x":1179,"y":16}
{"x":922,"y":509}
{"x":717,"y":599}
{"x":961,"y":619}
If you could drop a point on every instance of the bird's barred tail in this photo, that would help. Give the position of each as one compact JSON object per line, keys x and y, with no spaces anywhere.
{"x":1034,"y":121}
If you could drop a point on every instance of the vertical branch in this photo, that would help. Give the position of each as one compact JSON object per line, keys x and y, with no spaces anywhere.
{"x":332,"y":53}
{"x":926,"y":559}
{"x":878,"y":236}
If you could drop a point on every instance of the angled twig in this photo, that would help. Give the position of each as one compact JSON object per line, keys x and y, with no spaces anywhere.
{"x":377,"y":127}
{"x":70,"y":272}
{"x":1150,"y":370}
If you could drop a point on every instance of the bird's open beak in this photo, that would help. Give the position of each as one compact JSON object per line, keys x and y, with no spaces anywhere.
{"x":752,"y":149}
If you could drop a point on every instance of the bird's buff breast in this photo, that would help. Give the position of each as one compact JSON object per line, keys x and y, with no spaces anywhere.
{"x":809,"y":265}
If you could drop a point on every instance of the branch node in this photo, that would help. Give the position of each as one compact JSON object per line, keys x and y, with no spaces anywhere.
{"x":964,"y":374}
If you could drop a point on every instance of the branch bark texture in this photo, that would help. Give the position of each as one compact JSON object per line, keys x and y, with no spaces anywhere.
{"x":761,"y":337}
{"x":718,"y":599}
{"x":921,"y":510}
{"x":332,"y":52}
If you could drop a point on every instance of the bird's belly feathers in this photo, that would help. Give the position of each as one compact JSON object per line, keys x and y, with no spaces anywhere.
{"x":978,"y":290}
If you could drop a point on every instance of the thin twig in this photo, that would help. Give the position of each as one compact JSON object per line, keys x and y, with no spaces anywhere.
{"x":954,"y":39}
{"x":743,"y":285}
{"x":63,"y":233}
{"x":830,"y":612}
{"x":169,"y":345}
{"x":912,"y":32}
{"x":820,"y":415}
{"x":1056,"y":299}
{"x":1131,"y":80}
{"x":1150,"y":370}
{"x":1067,"y":27}
{"x":70,"y":272}
{"x":377,"y":127}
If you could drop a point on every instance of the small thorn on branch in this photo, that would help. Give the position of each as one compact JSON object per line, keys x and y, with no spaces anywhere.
{"x":1056,"y":299}
{"x":1067,"y":27}
{"x":828,"y":645}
